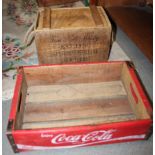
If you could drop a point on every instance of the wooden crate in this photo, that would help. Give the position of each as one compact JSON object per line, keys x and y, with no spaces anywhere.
{"x":45,"y":3}
{"x":62,"y":106}
{"x":70,"y":35}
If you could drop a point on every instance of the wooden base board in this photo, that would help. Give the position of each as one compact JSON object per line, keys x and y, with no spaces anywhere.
{"x":83,"y":109}
{"x":58,"y":93}
{"x":76,"y":104}
{"x":77,"y":122}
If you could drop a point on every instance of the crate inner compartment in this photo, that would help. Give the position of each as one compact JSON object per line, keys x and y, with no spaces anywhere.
{"x":63,"y":18}
{"x":63,"y":96}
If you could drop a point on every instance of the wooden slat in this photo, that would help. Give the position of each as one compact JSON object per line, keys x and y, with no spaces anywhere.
{"x":77,"y":122}
{"x":96,"y":16}
{"x":55,"y":93}
{"x":71,"y":18}
{"x":84,"y":73}
{"x":47,"y":18}
{"x":138,"y":108}
{"x":81,"y":87}
{"x":76,"y":110}
{"x":40,"y":20}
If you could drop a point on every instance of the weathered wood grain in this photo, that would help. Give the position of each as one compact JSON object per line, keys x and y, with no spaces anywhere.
{"x":78,"y":122}
{"x":56,"y":93}
{"x":82,"y":94}
{"x":138,"y":108}
{"x":47,"y":18}
{"x":73,"y":35}
{"x":69,"y":18}
{"x":76,"y":109}
{"x":96,"y":16}
{"x":73,"y":74}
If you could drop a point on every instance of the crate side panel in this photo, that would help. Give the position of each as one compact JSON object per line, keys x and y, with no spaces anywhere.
{"x":72,"y":74}
{"x":81,"y":136}
{"x":73,"y":45}
{"x":136,"y":101}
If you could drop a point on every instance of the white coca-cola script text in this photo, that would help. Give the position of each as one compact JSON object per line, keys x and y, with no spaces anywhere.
{"x":93,"y":136}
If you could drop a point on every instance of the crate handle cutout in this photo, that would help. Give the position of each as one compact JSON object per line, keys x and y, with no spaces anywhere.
{"x":133,"y":93}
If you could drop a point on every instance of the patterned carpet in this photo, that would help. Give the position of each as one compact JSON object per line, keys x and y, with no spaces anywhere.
{"x":18,"y":16}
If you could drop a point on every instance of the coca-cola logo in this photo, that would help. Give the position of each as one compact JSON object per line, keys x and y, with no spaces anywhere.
{"x":93,"y":136}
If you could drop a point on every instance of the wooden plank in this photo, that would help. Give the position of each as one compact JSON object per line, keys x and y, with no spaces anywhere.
{"x":76,"y":109}
{"x":71,"y":18}
{"x":78,"y":122}
{"x":138,"y":108}
{"x":47,"y":18}
{"x":40,"y":20}
{"x":116,"y":85}
{"x":68,"y":57}
{"x":56,"y":93}
{"x":69,"y":74}
{"x":96,"y":16}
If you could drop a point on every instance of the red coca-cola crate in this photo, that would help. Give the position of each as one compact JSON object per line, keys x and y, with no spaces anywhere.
{"x":73,"y":105}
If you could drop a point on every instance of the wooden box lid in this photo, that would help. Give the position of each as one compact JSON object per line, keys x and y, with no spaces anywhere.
{"x":65,"y":18}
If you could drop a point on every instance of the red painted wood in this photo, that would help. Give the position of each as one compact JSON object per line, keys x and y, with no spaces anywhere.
{"x":16,"y":96}
{"x":79,"y":136}
{"x":141,"y":91}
